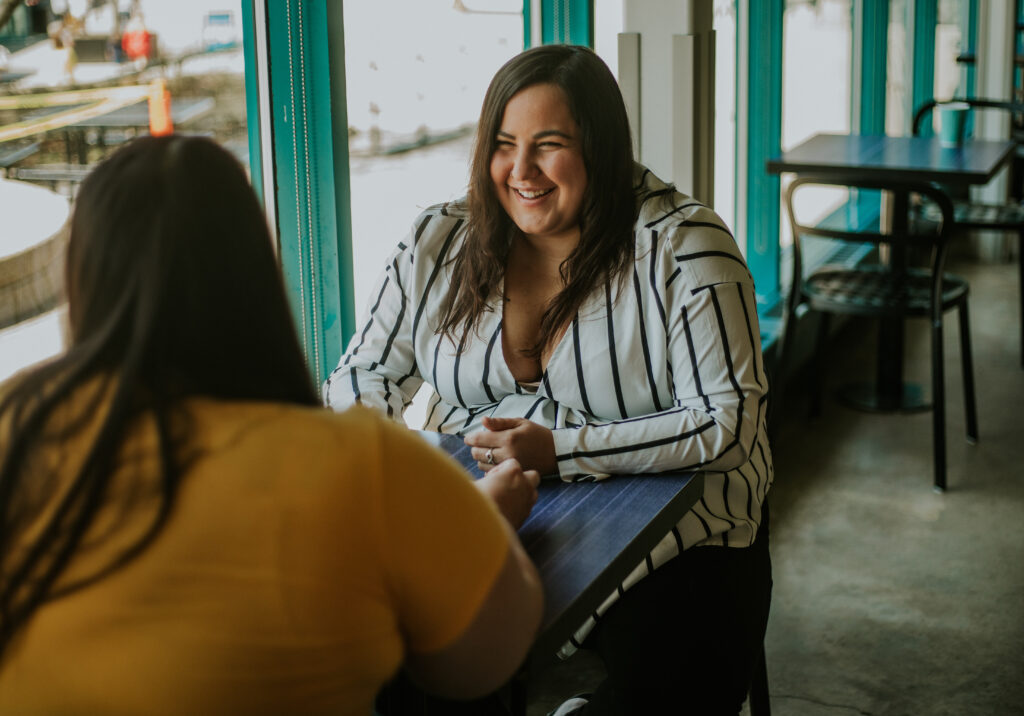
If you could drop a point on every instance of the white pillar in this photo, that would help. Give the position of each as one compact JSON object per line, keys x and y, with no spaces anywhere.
{"x":672,"y":101}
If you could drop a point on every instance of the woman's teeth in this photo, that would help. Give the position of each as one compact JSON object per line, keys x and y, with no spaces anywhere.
{"x":532,"y":194}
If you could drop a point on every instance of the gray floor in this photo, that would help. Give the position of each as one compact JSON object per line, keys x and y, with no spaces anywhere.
{"x":889,"y":598}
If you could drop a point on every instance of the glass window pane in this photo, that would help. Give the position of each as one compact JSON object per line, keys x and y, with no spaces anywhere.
{"x":816,"y":91}
{"x":608,"y":19}
{"x":898,"y":79}
{"x":414,"y":97}
{"x":948,"y":45}
{"x":724,"y":24}
{"x":79,"y":78}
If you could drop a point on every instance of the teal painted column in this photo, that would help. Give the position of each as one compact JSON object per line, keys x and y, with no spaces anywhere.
{"x":310,"y":136}
{"x":925,"y":18}
{"x":969,"y":43}
{"x":565,"y":22}
{"x":759,"y":132}
{"x":527,"y":25}
{"x":871,"y":43}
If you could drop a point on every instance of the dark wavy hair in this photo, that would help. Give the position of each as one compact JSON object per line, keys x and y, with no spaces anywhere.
{"x":606,"y":217}
{"x":174,"y":291}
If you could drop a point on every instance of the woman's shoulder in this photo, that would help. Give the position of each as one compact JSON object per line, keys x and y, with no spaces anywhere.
{"x":663,"y":208}
{"x":224,"y":422}
{"x":694,"y":236}
{"x":436,"y":225}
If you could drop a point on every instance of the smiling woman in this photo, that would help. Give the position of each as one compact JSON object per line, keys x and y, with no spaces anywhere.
{"x":577,"y":316}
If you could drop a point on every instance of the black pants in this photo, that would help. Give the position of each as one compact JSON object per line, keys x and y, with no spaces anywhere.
{"x":685,"y":639}
{"x":401,"y":697}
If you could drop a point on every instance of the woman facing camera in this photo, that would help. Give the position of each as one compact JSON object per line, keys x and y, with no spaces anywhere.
{"x":578,"y":315}
{"x":184,"y":530}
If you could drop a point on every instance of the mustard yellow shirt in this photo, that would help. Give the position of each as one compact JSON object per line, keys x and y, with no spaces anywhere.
{"x":307,"y":552}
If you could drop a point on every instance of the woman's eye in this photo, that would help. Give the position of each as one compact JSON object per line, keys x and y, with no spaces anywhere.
{"x":503,"y":144}
{"x":550,"y":145}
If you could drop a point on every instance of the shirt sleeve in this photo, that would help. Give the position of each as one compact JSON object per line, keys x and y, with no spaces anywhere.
{"x":718,"y":381}
{"x":443,"y":543}
{"x":379,"y":368}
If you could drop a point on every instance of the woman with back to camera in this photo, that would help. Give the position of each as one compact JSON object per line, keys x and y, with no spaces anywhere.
{"x":579,"y":315}
{"x":183,"y":529}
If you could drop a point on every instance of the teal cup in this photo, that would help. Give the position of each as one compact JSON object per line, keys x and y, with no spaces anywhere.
{"x":952,"y":123}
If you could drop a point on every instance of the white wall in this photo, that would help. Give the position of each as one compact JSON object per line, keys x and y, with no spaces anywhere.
{"x":673,"y":102}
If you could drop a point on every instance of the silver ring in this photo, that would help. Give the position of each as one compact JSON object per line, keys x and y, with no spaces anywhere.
{"x":490,"y":457}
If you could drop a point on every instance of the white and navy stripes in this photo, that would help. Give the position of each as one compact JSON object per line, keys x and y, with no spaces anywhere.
{"x":661,"y":371}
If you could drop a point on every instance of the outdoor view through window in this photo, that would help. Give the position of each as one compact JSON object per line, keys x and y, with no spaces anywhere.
{"x":77,"y":78}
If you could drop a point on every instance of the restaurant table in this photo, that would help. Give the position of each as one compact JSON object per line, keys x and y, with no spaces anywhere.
{"x":586,"y":537}
{"x":922,"y":159}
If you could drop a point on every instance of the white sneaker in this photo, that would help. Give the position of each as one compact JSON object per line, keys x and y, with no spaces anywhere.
{"x":571,"y":706}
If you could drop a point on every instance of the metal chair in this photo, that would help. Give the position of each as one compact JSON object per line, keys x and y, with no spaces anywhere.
{"x":972,"y":215}
{"x":895,"y":291}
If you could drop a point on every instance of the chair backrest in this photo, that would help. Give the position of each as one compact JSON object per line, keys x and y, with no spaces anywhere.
{"x":1015,"y":108}
{"x":932,"y":235}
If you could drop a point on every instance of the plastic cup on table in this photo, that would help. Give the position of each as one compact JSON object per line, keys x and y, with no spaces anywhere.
{"x":952,"y":123}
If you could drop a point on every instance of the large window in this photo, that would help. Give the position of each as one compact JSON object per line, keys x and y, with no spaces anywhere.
{"x":78,"y":78}
{"x":414,"y":98}
{"x":413,"y":101}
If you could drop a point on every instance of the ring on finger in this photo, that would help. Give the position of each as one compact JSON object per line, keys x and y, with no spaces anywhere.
{"x":490,"y":457}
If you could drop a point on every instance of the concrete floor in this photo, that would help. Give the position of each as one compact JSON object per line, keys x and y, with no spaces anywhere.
{"x":890,"y":599}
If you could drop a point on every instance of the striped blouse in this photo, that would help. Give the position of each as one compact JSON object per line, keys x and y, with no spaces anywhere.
{"x":662,"y":371}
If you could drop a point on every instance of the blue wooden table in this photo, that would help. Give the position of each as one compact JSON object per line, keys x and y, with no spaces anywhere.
{"x":923,"y":159}
{"x":586,"y":537}
{"x":896,"y":158}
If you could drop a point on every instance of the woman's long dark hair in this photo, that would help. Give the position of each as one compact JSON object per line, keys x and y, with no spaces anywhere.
{"x":174,"y":291}
{"x":605,"y":248}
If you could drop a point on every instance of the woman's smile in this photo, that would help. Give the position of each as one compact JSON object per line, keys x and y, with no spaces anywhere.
{"x":531,"y":194}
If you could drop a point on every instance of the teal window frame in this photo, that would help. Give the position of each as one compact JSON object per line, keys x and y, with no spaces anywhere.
{"x":758,"y":138}
{"x":308,"y":202}
{"x":759,"y":128}
{"x":925,"y":15}
{"x":871,"y":64}
{"x":562,"y":22}
{"x":969,"y":41}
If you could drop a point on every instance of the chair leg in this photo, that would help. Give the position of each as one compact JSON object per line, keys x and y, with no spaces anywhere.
{"x":1020,"y":267}
{"x":759,"y":703}
{"x":967,"y":364}
{"x":818,"y":379}
{"x":938,"y":407}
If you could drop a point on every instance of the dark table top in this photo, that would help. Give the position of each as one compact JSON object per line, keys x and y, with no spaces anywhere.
{"x":585,"y":538}
{"x":906,"y":158}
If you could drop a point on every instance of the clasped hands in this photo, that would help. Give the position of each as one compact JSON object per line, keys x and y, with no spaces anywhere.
{"x":513,"y":453}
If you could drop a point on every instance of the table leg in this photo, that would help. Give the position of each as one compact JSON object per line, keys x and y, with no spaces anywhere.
{"x":889,"y":393}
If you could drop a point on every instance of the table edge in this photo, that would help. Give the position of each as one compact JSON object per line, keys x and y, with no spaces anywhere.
{"x":552,"y":635}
